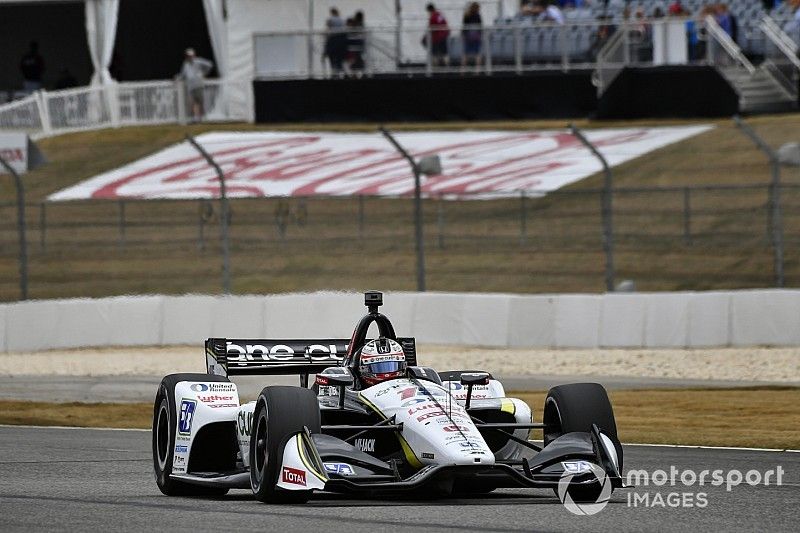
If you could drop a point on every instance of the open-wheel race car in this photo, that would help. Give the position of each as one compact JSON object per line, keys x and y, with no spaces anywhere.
{"x":372,"y":422}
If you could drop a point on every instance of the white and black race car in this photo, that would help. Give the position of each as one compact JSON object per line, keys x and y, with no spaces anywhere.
{"x":432,"y":432}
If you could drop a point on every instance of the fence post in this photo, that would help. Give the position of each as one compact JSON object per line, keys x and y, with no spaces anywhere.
{"x":523,"y":219}
{"x":517,"y":48}
{"x":418,"y":233}
{"x":687,"y":216}
{"x":180,"y":93}
{"x":44,"y":112}
{"x":440,"y":221}
{"x":605,"y":208}
{"x":43,"y":225}
{"x":223,"y":201}
{"x":487,"y":44}
{"x":429,"y":54}
{"x":23,"y":245}
{"x":360,"y":216}
{"x":774,"y":197}
{"x":122,"y":239}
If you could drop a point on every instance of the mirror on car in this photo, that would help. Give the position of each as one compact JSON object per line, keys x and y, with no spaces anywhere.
{"x":335,"y":377}
{"x":475,"y":378}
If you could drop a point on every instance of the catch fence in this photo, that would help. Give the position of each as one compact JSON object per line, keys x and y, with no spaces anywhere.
{"x":665,"y":238}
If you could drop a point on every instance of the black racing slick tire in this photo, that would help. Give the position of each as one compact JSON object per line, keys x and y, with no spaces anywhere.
{"x":575,"y":407}
{"x":164,"y":427}
{"x":280,"y":413}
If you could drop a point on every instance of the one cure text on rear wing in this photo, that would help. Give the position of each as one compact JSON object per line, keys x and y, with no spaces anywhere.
{"x":231,"y":357}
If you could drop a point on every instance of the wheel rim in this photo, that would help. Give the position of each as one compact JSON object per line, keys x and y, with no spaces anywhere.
{"x":162,"y":435}
{"x":260,"y":452}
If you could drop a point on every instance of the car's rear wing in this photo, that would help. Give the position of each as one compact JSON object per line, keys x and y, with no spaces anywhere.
{"x":231,"y":357}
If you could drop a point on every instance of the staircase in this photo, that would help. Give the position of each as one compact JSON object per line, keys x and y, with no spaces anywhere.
{"x":761,"y":91}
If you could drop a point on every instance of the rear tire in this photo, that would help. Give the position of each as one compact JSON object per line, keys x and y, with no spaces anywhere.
{"x":164,"y":427}
{"x":575,"y":407}
{"x":280,"y":413}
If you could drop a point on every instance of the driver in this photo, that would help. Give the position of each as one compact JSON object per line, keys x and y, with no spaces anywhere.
{"x":380,"y":360}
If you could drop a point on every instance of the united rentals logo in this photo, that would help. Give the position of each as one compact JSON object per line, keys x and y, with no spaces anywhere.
{"x":584,"y":508}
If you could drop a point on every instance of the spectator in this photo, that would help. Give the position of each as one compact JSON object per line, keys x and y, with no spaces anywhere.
{"x":193,"y":72}
{"x":725,"y":20}
{"x":355,"y":44}
{"x":553,"y":13}
{"x":336,"y":42}
{"x":472,"y":34}
{"x":676,"y":9}
{"x":604,"y":32}
{"x":642,"y":36}
{"x":438,"y":32}
{"x":32,"y":67}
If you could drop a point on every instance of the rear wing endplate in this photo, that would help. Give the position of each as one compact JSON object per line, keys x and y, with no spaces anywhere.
{"x":231,"y":357}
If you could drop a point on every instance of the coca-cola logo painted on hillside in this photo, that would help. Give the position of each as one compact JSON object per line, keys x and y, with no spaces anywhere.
{"x":475,"y":163}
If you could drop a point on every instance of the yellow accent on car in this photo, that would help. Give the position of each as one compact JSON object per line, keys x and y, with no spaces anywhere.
{"x":508,"y":406}
{"x":308,"y":464}
{"x":407,"y":451}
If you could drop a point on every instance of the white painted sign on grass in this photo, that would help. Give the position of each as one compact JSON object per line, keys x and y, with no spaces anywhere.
{"x":475,"y":163}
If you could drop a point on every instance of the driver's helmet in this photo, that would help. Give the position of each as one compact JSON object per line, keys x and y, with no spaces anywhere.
{"x":381,"y":359}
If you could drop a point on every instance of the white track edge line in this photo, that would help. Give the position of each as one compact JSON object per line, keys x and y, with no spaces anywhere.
{"x":26,"y":426}
{"x":700,"y":447}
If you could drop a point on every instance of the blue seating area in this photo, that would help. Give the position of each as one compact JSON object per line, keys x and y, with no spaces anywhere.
{"x":542,"y":43}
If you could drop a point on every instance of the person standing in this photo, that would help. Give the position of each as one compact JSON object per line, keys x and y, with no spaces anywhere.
{"x":438,"y":32}
{"x":472,"y":35}
{"x":336,"y":42}
{"x":32,"y":67}
{"x":356,"y":41}
{"x":193,"y":72}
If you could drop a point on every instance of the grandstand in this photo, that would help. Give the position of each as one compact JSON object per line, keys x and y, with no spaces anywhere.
{"x":266,"y":51}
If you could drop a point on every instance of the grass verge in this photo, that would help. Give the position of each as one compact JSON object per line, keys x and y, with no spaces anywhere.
{"x":750,"y":417}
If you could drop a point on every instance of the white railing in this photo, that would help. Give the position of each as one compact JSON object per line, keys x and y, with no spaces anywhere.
{"x":732,"y":55}
{"x":48,"y":113}
{"x":611,"y":59}
{"x":780,"y":39}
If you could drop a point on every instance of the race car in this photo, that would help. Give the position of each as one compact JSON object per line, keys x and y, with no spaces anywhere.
{"x":373,"y":421}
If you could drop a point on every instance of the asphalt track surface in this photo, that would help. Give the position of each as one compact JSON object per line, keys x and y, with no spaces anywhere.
{"x":143,"y":388}
{"x":96,"y":480}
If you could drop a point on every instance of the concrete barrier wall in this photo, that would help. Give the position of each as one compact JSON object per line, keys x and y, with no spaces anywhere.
{"x":686,"y":319}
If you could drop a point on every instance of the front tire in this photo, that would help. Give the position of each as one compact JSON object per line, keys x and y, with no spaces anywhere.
{"x":164,"y":427}
{"x":280,"y":413}
{"x":575,"y":407}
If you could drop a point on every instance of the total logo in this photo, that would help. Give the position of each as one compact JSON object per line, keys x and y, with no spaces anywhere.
{"x":293,"y":476}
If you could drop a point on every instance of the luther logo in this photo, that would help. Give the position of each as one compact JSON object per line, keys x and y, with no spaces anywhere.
{"x":294,"y":476}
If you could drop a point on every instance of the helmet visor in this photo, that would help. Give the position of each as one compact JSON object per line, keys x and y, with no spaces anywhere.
{"x":384,"y":367}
